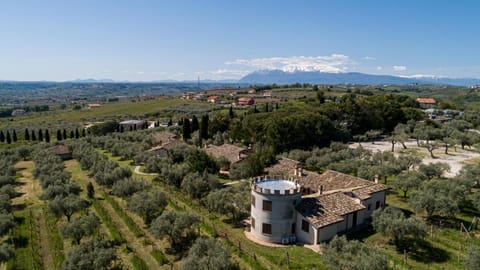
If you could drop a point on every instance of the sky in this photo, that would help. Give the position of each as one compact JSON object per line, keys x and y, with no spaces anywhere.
{"x":226,"y":39}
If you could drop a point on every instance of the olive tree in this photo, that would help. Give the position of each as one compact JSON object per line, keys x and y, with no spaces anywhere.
{"x":148,"y":204}
{"x":81,"y":227}
{"x":206,"y":254}
{"x":91,"y":255}
{"x":177,"y":227}
{"x":408,"y":180}
{"x":67,"y":205}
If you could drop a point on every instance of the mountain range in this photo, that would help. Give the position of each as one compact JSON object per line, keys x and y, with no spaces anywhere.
{"x":283,"y":77}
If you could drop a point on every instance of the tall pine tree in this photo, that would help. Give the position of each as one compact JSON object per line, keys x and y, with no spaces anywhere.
{"x":59,"y":135}
{"x":14,"y":136}
{"x":2,"y":136}
{"x":83,"y":133}
{"x":186,"y":129}
{"x":40,"y":135}
{"x":26,"y":136}
{"x":77,"y":134}
{"x":34,"y":138}
{"x":231,"y":114}
{"x":204,"y":127}
{"x":47,"y":136}
{"x":72,"y":134}
{"x":8,"y":139}
{"x":194,"y":124}
{"x":64,"y":134}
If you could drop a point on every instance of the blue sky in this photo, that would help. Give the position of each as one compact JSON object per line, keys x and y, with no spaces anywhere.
{"x":157,"y":40}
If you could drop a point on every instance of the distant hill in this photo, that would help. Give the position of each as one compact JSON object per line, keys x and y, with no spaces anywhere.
{"x":282,"y":77}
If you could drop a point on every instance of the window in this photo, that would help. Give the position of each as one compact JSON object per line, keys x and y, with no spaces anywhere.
{"x":253,"y":201}
{"x":266,"y":228}
{"x":305,"y":226}
{"x":253,"y":223}
{"x":267,"y":205}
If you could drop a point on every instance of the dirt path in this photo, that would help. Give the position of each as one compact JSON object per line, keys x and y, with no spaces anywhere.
{"x":137,"y":171}
{"x":47,"y":259}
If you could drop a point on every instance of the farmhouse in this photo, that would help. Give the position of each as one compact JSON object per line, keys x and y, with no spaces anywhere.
{"x":132,"y":124}
{"x":93,"y":105}
{"x":213,"y":99}
{"x":164,"y":142}
{"x":427,"y":102}
{"x":245,"y":101}
{"x":231,"y":152}
{"x":313,"y":207}
{"x":62,"y":151}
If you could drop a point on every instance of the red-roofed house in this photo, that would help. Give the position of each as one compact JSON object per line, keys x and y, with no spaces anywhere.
{"x":245,"y":101}
{"x":213,"y":99}
{"x":427,"y":102}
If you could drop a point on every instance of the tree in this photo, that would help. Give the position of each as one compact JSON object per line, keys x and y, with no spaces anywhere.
{"x":353,"y":255}
{"x":472,"y":261}
{"x":83,"y":132}
{"x":8,"y":138}
{"x":195,"y":125}
{"x":6,"y":252}
{"x":24,"y":152}
{"x":127,"y":186}
{"x":408,"y":180}
{"x":432,"y":170}
{"x":186,"y":129}
{"x":2,"y":136}
{"x":47,"y":136}
{"x":441,"y":197}
{"x":204,"y":127}
{"x":6,"y":223}
{"x":67,"y":205}
{"x":230,"y":200}
{"x":26,"y":136}
{"x":91,"y":255}
{"x":77,"y":134}
{"x":207,"y":254}
{"x":178,"y":227}
{"x":80,"y":227}
{"x":148,"y":205}
{"x":72,"y":134}
{"x":64,"y":134}
{"x":40,"y":135}
{"x":59,"y":135}
{"x":34,"y":138}
{"x":231,"y":114}
{"x":14,"y":136}
{"x":197,"y":185}
{"x":402,"y":231}
{"x":90,"y":190}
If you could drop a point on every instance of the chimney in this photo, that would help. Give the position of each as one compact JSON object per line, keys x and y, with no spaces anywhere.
{"x":376,"y":178}
{"x":239,"y":158}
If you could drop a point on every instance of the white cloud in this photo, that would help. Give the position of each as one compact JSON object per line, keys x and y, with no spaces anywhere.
{"x":140,"y":72}
{"x":399,"y":68}
{"x":379,"y":68}
{"x":331,"y":63}
{"x":369,"y":58}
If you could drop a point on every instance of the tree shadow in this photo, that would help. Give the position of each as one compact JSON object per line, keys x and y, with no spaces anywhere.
{"x":362,"y":234}
{"x":19,"y":207}
{"x":425,"y":252}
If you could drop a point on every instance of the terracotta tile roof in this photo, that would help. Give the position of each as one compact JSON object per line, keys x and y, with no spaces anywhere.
{"x":366,"y":192}
{"x":332,"y":180}
{"x":284,"y":166}
{"x":328,"y":209}
{"x":229,"y":151}
{"x":167,"y":146}
{"x":164,"y":137}
{"x":426,"y":100}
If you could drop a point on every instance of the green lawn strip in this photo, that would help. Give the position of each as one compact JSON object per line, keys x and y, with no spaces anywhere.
{"x":105,"y":217}
{"x":159,"y":256}
{"x":138,"y":263}
{"x":25,"y":238}
{"x":132,"y":225}
{"x":55,"y":240}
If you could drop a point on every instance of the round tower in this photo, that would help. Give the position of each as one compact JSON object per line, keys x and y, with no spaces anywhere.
{"x":273,"y":208}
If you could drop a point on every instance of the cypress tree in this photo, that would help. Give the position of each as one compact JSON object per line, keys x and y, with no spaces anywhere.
{"x":14,"y":136}
{"x":72,"y":134}
{"x":194,"y":124}
{"x":77,"y":134}
{"x":47,"y":136}
{"x":266,"y":107}
{"x":9,"y":140}
{"x":34,"y":138}
{"x":131,"y":128}
{"x":121,"y":129}
{"x":204,"y":127}
{"x":59,"y":135}
{"x":2,"y":136}
{"x":27,"y":135}
{"x":40,"y":135}
{"x":230,"y":113}
{"x":170,"y":122}
{"x":186,"y":129}
{"x":134,"y":126}
{"x":83,"y":133}
{"x":64,"y":134}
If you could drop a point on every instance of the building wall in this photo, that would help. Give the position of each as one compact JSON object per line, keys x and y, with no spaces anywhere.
{"x":303,"y":236}
{"x":379,"y":196}
{"x":281,"y":217}
{"x":326,"y":233}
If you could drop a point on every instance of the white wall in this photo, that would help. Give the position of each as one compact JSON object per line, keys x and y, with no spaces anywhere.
{"x":303,"y":236}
